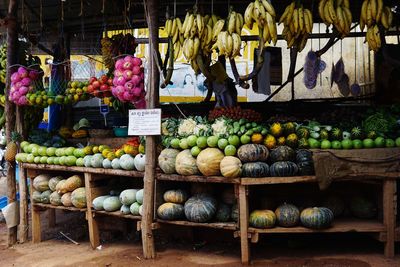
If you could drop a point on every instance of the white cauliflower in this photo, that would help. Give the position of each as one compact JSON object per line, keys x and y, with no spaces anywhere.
{"x":219,"y":128}
{"x":200,"y":129}
{"x":164,"y":129}
{"x":186,"y":127}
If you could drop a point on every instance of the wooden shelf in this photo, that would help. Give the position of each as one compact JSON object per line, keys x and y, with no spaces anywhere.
{"x":49,"y":206}
{"x":277,"y":180}
{"x":117,"y":214}
{"x":82,"y":169}
{"x":338,"y":226}
{"x":217,"y":225}
{"x":197,"y":178}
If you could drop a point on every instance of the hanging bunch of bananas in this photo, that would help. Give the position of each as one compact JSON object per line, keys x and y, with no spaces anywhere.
{"x":106,"y":52}
{"x":298,"y":23}
{"x":336,"y":13}
{"x":173,"y":28}
{"x":229,"y":41}
{"x":3,"y":63}
{"x":373,"y":14}
{"x":263,"y":13}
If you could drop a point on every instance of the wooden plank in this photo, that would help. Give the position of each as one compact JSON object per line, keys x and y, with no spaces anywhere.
{"x":51,"y":214}
{"x":197,"y":178}
{"x":244,"y":224}
{"x":277,"y":180}
{"x":215,"y":225}
{"x":338,"y":226}
{"x":389,"y":217}
{"x":116,"y":214}
{"x":94,"y":234}
{"x":39,"y":206}
{"x":111,"y":172}
{"x":23,"y":207}
{"x":36,"y":228}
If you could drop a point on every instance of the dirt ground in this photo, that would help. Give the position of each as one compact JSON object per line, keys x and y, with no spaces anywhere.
{"x":276,"y":251}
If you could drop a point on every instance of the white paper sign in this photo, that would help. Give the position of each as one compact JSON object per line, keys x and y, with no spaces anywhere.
{"x":144,"y":122}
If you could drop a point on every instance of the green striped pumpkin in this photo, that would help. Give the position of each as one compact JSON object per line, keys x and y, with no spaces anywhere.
{"x":170,"y":211}
{"x":283,"y":169}
{"x":200,"y":208}
{"x":316,"y":218}
{"x":223,"y":213}
{"x":253,"y":153}
{"x":262,"y":219}
{"x":287,"y":215}
{"x":283,"y":153}
{"x":178,"y":196}
{"x":255,"y":169}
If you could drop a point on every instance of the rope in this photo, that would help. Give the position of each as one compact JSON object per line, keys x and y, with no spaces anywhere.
{"x":41,"y":14}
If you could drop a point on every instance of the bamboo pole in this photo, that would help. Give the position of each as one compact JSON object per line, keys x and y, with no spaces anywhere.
{"x":12,"y":44}
{"x":152,"y":98}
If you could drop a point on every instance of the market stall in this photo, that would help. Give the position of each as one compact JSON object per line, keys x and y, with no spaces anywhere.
{"x":252,"y":169}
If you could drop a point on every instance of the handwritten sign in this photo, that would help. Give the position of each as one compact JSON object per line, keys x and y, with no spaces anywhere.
{"x":144,"y":122}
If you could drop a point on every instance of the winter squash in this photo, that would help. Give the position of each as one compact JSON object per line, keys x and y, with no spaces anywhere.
{"x":253,"y":153}
{"x":36,"y":196}
{"x":140,"y":162}
{"x":166,"y":160}
{"x":71,"y":184}
{"x":78,"y":198}
{"x":228,"y":196}
{"x":282,"y":153}
{"x":303,"y":155}
{"x":255,"y":169}
{"x":55,"y":199}
{"x":305,"y":162}
{"x":231,"y":167}
{"x":363,"y":208}
{"x":287,"y":215}
{"x":223,"y":213}
{"x":235,"y":212}
{"x":335,"y":204}
{"x":262,"y":219}
{"x":53,"y":182}
{"x":134,"y":209}
{"x":97,"y":203}
{"x":200,"y":208}
{"x":186,"y":163}
{"x":127,"y":162}
{"x":125,"y":209}
{"x":208,"y":161}
{"x":112,"y":203}
{"x":41,"y":182}
{"x":45,"y":196}
{"x":178,"y":196}
{"x":66,"y":199}
{"x":170,"y":211}
{"x":139,"y":196}
{"x":128,"y":196}
{"x":316,"y":218}
{"x":283,"y":169}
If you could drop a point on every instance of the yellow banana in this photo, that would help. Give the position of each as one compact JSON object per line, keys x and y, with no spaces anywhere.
{"x":338,"y":3}
{"x":331,"y":10}
{"x":168,"y":27}
{"x":373,"y":5}
{"x":269,"y":8}
{"x":349,"y":18}
{"x":308,"y":20}
{"x":369,"y":14}
{"x":239,"y":23}
{"x":200,"y":24}
{"x":285,"y":13}
{"x":291,"y":41}
{"x":174,"y":27}
{"x":177,"y":50}
{"x":236,"y":44}
{"x":289,"y":17}
{"x":266,"y":34}
{"x":232,"y":22}
{"x":346,"y":3}
{"x":340,"y":20}
{"x":379,"y":10}
{"x":189,"y":26}
{"x":218,"y":28}
{"x":185,"y":22}
{"x":185,"y":49}
{"x":321,"y":13}
{"x":301,"y":18}
{"x":206,"y":19}
{"x":248,"y":13}
{"x":363,"y":15}
{"x":176,"y":36}
{"x":179,"y":24}
{"x":220,"y":43}
{"x":384,"y":19}
{"x":296,"y":20}
{"x":196,"y":47}
{"x":259,"y":12}
{"x":377,"y":36}
{"x":229,"y":45}
{"x":303,"y":42}
{"x":389,"y":15}
{"x":271,"y":26}
{"x":193,"y":30}
{"x":214,"y":19}
{"x":327,"y":16}
{"x":209,"y":35}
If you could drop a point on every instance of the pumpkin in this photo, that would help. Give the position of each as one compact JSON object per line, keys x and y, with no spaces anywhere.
{"x":287,"y":215}
{"x":66,"y":199}
{"x":45,"y":196}
{"x":316,"y":218}
{"x":223,"y":213}
{"x":55,"y":199}
{"x":253,"y":153}
{"x":166,"y":160}
{"x":303,"y":155}
{"x":36,"y":196}
{"x":255,"y":169}
{"x":208,"y":161}
{"x":283,"y":169}
{"x":282,"y":153}
{"x":78,"y":197}
{"x":363,"y":208}
{"x":125,"y":209}
{"x":41,"y":182}
{"x":186,"y":163}
{"x":134,"y":209}
{"x":107,"y":164}
{"x":53,"y":182}
{"x":96,"y":161}
{"x":170,"y":211}
{"x":200,"y":208}
{"x":235,"y":212}
{"x":112,"y":203}
{"x":228,"y":196}
{"x":335,"y":204}
{"x":115,"y":164}
{"x":305,"y":162}
{"x":178,"y":196}
{"x":97,"y":203}
{"x":230,"y":167}
{"x":128,"y":196}
{"x":71,"y":184}
{"x":262,"y":219}
{"x":140,"y":162}
{"x":139,"y":196}
{"x":127,"y":162}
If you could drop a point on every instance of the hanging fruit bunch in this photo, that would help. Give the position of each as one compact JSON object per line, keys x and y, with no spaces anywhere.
{"x":100,"y":87}
{"x":106,"y":52}
{"x":128,"y":82}
{"x":22,"y":82}
{"x":235,"y":113}
{"x":373,"y":15}
{"x":263,"y":13}
{"x":117,"y":45}
{"x":298,"y":24}
{"x":336,"y":13}
{"x":3,"y":63}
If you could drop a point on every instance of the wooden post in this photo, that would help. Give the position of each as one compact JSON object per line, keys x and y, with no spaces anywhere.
{"x":389,"y":218}
{"x":151,"y":11}
{"x":94,"y":235}
{"x":12,"y":43}
{"x":23,"y":207}
{"x":244,"y":224}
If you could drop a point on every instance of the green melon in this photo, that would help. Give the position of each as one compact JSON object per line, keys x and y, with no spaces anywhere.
{"x":112,"y":203}
{"x":128,"y":196}
{"x":78,"y":198}
{"x":97,"y":203}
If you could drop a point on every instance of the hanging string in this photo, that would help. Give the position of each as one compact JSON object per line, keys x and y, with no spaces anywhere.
{"x":103,"y":8}
{"x":82,"y":21}
{"x":23,"y":14}
{"x":212,"y":6}
{"x":129,"y":5}
{"x":174,"y":8}
{"x":62,"y":17}
{"x":355,"y":58}
{"x":41,"y":14}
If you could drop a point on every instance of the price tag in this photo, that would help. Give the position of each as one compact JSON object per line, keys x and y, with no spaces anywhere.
{"x":144,"y":122}
{"x":104,"y":109}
